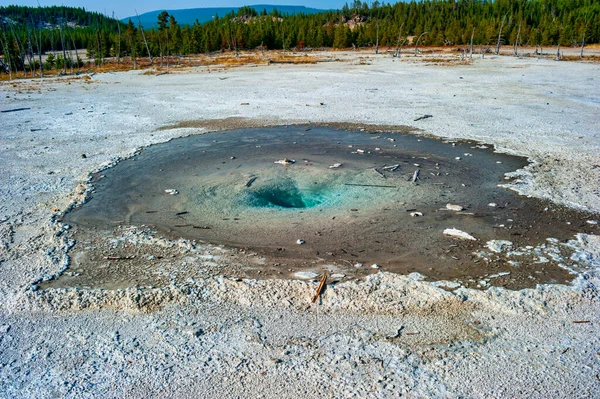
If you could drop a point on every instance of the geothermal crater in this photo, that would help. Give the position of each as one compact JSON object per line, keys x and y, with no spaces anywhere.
{"x":277,"y":201}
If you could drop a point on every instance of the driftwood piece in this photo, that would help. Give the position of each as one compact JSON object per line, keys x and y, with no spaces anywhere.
{"x":119,"y":257}
{"x":320,"y":288}
{"x":391,"y":168}
{"x":368,"y":185}
{"x":416,"y":176}
{"x":251,"y":181}
{"x":379,"y":172}
{"x":423,"y":117}
{"x":15,"y":110}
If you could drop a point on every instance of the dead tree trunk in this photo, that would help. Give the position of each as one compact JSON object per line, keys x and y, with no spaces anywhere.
{"x":419,"y":39}
{"x":582,"y":45}
{"x":76,"y":53}
{"x":144,"y":36}
{"x":500,"y":35}
{"x":6,"y":51}
{"x":397,"y":54}
{"x":62,"y":43}
{"x":377,"y":39}
{"x":517,"y":40}
{"x":119,"y":44}
{"x":20,"y":48}
{"x":167,"y":35}
{"x":39,"y":46}
{"x":471,"y":47}
{"x":558,"y":52}
{"x":30,"y":53}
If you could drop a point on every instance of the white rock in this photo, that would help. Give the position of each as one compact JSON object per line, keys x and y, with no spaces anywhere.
{"x":285,"y":161}
{"x":375,"y":266}
{"x":335,"y":166}
{"x":416,"y":276}
{"x":416,"y":214}
{"x":458,"y":158}
{"x":171,"y":191}
{"x":305,"y":275}
{"x":300,"y":242}
{"x":456,"y":208}
{"x":593,"y":222}
{"x":492,"y":205}
{"x":358,"y":265}
{"x":360,"y":151}
{"x":459,"y":234}
{"x":446,"y":284}
{"x":338,"y":275}
{"x":498,"y":246}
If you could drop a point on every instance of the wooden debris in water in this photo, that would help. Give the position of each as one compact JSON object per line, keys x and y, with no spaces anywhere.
{"x":416,"y":176}
{"x":379,"y":172}
{"x":368,"y":185}
{"x":391,"y":168}
{"x":251,"y":181}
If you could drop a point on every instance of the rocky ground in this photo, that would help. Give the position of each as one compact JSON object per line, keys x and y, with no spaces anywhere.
{"x":387,"y":335}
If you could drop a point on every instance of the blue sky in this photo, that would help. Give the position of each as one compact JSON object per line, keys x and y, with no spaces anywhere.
{"x":125,"y":8}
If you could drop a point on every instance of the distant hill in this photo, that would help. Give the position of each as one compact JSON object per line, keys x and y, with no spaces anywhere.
{"x":190,"y":15}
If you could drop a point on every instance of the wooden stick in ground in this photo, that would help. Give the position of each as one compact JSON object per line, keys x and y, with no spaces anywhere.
{"x":320,"y":288}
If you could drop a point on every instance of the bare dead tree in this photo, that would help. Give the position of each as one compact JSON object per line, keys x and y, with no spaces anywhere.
{"x":7,"y":52}
{"x":558,"y":52}
{"x":144,"y":36}
{"x":62,"y":43}
{"x":517,"y":40}
{"x":167,"y":38}
{"x":20,"y":48}
{"x":471,"y":47}
{"x":119,"y":39}
{"x":397,"y":54}
{"x":30,"y":54}
{"x":377,"y":39}
{"x":418,"y":40}
{"x":75,"y":48}
{"x":500,"y":35}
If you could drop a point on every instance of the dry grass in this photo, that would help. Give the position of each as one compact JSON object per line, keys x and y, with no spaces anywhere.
{"x":446,"y":55}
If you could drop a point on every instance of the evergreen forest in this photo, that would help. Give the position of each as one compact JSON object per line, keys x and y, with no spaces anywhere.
{"x":26,"y":32}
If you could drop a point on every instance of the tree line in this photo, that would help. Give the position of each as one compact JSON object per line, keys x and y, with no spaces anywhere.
{"x":27,"y":31}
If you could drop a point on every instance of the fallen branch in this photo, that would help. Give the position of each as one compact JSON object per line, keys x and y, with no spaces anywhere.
{"x":368,"y":185}
{"x":423,"y":117}
{"x":416,"y":176}
{"x":379,"y":172}
{"x":119,"y":257}
{"x":320,"y":288}
{"x":15,"y":110}
{"x":391,"y":168}
{"x":202,"y":227}
{"x":251,"y":181}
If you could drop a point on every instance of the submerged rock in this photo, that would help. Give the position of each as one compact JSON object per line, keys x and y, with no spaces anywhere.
{"x":499,"y":245}
{"x":305,"y":275}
